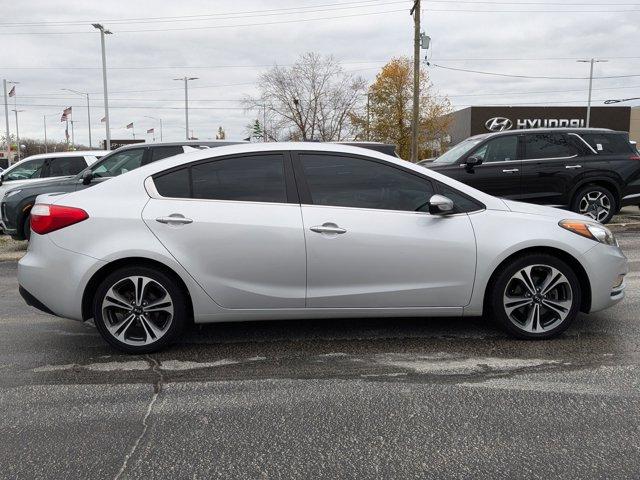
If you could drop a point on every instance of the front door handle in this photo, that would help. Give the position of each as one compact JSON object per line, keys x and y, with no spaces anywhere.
{"x":510,"y":170}
{"x":328,"y":228}
{"x":174,"y":219}
{"x":573,"y":166}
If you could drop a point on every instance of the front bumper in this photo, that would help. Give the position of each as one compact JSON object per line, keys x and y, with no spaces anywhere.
{"x":604,"y":265}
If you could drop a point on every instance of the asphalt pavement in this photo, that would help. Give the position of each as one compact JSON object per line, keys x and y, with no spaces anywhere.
{"x":390,"y":398}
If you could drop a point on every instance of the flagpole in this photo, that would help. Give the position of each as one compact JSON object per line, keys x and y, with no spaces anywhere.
{"x":44,"y":122}
{"x":6,"y":119}
{"x":66,"y":132}
{"x":73,"y":138}
{"x":15,"y":103}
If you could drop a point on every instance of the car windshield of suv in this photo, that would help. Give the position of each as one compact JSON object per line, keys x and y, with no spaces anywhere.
{"x":118,"y":163}
{"x":454,"y":154}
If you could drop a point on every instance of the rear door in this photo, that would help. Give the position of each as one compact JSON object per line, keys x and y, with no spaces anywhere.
{"x":552,"y":161}
{"x":234,"y":224}
{"x":65,"y":166}
{"x":499,"y":173}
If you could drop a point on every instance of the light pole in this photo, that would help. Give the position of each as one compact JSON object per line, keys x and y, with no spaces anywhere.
{"x":186,"y":101}
{"x":88,"y":111}
{"x":159,"y":120}
{"x":6,"y":119}
{"x":16,"y":111}
{"x":415,"y":114}
{"x":590,"y":62}
{"x":104,"y":32}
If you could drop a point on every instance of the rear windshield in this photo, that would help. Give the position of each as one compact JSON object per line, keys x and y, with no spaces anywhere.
{"x":608,"y":142}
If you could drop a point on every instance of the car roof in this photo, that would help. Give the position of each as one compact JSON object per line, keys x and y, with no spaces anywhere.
{"x":185,"y":143}
{"x":75,"y":153}
{"x":542,"y":130}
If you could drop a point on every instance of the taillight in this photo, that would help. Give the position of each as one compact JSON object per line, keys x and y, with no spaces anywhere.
{"x":49,"y":218}
{"x":634,"y":157}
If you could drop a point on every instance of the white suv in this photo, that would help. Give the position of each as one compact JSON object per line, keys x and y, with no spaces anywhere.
{"x":46,"y":166}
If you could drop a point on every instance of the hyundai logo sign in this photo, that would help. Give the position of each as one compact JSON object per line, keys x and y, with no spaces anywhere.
{"x":498,"y":124}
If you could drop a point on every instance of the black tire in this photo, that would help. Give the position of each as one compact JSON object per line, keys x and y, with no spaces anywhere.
{"x":580,"y":200}
{"x":26,"y":228}
{"x":505,"y":279}
{"x":177,"y":296}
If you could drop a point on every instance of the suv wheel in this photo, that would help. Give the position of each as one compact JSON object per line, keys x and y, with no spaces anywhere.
{"x":595,"y":202}
{"x":536,"y":297}
{"x":26,"y":228}
{"x":139,"y":309}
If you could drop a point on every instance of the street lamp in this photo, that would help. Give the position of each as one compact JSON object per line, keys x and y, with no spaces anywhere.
{"x":186,"y":81}
{"x":104,"y":32}
{"x":88,"y":110}
{"x":159,"y":120}
{"x":591,"y":62}
{"x":608,"y":102}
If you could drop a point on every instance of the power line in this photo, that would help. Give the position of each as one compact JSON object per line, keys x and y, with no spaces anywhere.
{"x":541,"y":77}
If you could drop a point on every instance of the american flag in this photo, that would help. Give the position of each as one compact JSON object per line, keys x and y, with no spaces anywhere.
{"x":12,"y":92}
{"x":67,"y":111}
{"x":103,"y":119}
{"x":151,"y":130}
{"x":130,"y":125}
{"x":63,"y":118}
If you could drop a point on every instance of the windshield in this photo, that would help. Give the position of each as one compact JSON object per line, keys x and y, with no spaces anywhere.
{"x":454,"y":154}
{"x":117,"y":163}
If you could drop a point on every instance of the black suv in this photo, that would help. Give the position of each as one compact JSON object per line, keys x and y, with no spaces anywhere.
{"x":590,"y":171}
{"x":16,"y":204}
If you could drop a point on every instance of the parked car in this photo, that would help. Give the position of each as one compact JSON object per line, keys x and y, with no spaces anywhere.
{"x":15,"y":206}
{"x":589,"y":171}
{"x":303,"y":230}
{"x":47,"y":166}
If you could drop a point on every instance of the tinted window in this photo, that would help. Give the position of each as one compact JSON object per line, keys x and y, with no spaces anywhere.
{"x":608,"y":142}
{"x":254,"y":178}
{"x":461,"y":202}
{"x":119,"y":163}
{"x":548,"y":145}
{"x":25,"y":170}
{"x":158,"y":153}
{"x":175,"y":184}
{"x":354,"y":182}
{"x":500,"y":149}
{"x":62,"y":166}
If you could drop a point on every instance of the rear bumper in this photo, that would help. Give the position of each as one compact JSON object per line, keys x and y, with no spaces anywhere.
{"x":33,"y":301}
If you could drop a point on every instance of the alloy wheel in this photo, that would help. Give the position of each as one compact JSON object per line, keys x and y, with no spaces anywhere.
{"x":537,"y":298}
{"x":137,"y":310}
{"x":595,"y":204}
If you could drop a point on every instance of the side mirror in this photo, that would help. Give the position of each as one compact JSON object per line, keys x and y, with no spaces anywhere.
{"x":440,"y":205}
{"x":472,"y":161}
{"x":87,"y":177}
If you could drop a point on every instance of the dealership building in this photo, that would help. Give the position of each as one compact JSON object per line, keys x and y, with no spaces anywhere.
{"x":476,"y":120}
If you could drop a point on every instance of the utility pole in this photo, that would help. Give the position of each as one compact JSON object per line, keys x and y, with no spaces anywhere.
{"x":368,"y":117}
{"x":264,"y":123}
{"x":6,"y":119}
{"x":590,"y":62}
{"x":415,"y":11}
{"x":186,"y":81}
{"x":104,"y":32}
{"x":44,"y":122}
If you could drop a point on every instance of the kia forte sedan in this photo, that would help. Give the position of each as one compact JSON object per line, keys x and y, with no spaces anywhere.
{"x":307,"y":230}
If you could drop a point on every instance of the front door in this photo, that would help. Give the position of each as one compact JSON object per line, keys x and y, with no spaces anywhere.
{"x":370,"y":242}
{"x":229,"y":223}
{"x":499,"y":173}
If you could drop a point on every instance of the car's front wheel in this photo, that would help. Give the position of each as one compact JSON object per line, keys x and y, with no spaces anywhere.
{"x":535,"y":297}
{"x":139,"y":309}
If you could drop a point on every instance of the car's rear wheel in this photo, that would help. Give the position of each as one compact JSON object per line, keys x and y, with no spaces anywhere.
{"x":139,"y":309}
{"x":535,"y":297}
{"x":596,"y":202}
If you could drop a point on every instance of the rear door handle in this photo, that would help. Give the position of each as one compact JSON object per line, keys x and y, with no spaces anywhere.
{"x":328,"y":228}
{"x":174,"y":219}
{"x":510,"y":170}
{"x":573,"y":166}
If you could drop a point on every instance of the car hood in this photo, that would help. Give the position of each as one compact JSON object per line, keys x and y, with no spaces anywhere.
{"x":59,"y":181}
{"x":529,"y":208}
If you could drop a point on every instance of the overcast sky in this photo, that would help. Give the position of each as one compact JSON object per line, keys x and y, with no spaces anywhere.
{"x":228,"y":49}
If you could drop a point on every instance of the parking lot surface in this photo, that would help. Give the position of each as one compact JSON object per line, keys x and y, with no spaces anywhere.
{"x":390,"y":398}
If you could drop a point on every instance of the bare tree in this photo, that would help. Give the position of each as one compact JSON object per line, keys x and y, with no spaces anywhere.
{"x":311,"y":100}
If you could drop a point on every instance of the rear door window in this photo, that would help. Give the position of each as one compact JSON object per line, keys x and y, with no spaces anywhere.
{"x":158,"y":153}
{"x":548,"y":145}
{"x":119,"y":163}
{"x":65,"y":166}
{"x":608,"y":142}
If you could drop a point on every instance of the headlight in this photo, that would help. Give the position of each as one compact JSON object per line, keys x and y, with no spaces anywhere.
{"x":11,"y":193}
{"x":592,"y":230}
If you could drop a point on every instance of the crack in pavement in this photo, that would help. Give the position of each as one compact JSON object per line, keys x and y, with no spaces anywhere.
{"x":157,"y":388}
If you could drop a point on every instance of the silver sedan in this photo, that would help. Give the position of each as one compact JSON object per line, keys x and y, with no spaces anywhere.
{"x":307,"y":230}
